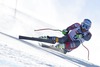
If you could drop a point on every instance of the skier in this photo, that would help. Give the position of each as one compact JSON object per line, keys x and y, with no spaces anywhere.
{"x":74,"y":35}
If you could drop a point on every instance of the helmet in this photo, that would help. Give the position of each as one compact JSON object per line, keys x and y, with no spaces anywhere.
{"x":86,"y":24}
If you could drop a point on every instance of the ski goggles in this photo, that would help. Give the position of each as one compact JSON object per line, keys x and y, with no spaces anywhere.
{"x":85,"y":26}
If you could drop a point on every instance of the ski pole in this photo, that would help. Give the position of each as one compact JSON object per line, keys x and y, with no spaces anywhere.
{"x":86,"y":48}
{"x":48,"y":29}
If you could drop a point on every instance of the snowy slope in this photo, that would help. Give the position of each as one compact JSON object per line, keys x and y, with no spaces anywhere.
{"x":15,"y":52}
{"x":20,"y":53}
{"x":21,"y":57}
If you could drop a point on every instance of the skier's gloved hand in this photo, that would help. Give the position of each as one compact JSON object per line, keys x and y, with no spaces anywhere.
{"x":65,"y":31}
{"x":78,"y":36}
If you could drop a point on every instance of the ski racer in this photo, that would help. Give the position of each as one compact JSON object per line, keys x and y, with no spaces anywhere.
{"x":74,"y":35}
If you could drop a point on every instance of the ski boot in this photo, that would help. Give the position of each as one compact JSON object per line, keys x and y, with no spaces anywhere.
{"x":61,"y":47}
{"x":55,"y":39}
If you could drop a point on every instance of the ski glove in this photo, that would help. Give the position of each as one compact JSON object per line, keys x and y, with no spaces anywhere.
{"x":78,"y":36}
{"x":65,"y":31}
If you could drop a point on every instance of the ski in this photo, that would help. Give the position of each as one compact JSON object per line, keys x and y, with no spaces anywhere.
{"x":53,"y":48}
{"x":43,"y":45}
{"x":36,"y":39}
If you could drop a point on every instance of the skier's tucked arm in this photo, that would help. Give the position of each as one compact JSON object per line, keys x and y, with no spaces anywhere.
{"x":87,"y":37}
{"x":73,"y":26}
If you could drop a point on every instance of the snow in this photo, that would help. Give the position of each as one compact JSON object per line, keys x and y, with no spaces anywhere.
{"x":19,"y":54}
{"x":36,"y":14}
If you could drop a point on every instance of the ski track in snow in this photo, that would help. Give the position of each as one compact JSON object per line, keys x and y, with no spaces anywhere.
{"x":25,"y":60}
{"x":29,"y":60}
